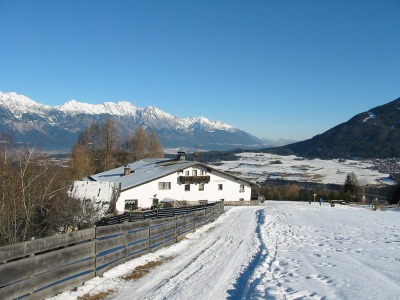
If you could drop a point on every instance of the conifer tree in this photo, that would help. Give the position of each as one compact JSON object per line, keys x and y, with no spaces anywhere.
{"x":351,"y":188}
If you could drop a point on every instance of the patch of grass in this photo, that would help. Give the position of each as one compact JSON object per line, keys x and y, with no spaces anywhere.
{"x":142,"y":271}
{"x":98,"y":296}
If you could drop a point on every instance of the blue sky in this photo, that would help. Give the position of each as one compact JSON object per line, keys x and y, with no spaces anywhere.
{"x":276,"y":69}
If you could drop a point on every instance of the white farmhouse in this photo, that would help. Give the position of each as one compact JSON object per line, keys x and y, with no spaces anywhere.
{"x":150,"y":181}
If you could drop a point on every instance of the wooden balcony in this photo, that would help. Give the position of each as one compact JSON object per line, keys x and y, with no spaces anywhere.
{"x":194,"y":179}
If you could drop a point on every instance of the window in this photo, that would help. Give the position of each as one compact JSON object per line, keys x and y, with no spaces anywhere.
{"x":187,"y":187}
{"x":164,"y":185}
{"x":186,"y":173}
{"x":131,"y":205}
{"x":201,"y":186}
{"x":194,"y":172}
{"x":155,"y":201}
{"x":202,"y":172}
{"x":241,"y":199}
{"x":220,"y":186}
{"x":241,"y":189}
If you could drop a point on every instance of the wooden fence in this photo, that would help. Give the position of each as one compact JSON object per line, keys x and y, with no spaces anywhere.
{"x":155,"y":214}
{"x":45,"y":267}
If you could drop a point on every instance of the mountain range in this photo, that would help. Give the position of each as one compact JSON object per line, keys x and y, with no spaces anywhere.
{"x":371,"y":134}
{"x":57,"y":128}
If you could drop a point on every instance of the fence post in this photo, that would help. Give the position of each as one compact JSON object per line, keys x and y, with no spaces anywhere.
{"x":148,"y":241}
{"x":95,"y":250}
{"x":176,"y":228}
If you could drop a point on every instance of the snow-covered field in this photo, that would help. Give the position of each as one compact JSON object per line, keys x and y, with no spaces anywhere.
{"x":258,"y":167}
{"x":279,"y":250}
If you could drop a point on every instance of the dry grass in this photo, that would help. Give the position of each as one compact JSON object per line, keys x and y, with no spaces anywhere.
{"x":98,"y":296}
{"x":142,"y":271}
{"x":137,"y":273}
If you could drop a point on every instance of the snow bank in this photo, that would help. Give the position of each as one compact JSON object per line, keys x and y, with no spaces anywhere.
{"x":280,"y":250}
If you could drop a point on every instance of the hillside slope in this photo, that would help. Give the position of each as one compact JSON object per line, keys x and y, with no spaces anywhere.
{"x":371,"y":134}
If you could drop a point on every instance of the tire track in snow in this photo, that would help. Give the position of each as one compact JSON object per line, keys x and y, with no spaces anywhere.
{"x":207,"y":268}
{"x":260,"y":267}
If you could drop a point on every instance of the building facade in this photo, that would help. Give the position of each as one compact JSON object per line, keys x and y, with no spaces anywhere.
{"x":149,"y":182}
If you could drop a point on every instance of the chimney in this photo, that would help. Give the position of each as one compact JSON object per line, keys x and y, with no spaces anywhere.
{"x":127,"y":171}
{"x":181,"y":155}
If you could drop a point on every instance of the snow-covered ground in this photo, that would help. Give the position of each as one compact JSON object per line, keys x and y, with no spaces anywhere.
{"x":258,"y":167}
{"x":279,"y":250}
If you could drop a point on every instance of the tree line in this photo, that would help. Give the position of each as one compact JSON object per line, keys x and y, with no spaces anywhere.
{"x":350,"y":191}
{"x":34,"y":200}
{"x":102,"y":147}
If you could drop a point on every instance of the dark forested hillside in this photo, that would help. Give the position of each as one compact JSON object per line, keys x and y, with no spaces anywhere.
{"x":371,"y":134}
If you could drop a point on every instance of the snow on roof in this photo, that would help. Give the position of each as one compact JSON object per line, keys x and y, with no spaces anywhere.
{"x":103,"y":194}
{"x":147,"y":170}
{"x":141,"y":172}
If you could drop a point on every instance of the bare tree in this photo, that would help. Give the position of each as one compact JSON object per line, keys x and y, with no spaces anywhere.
{"x":109,"y":143}
{"x":9,"y":204}
{"x":154,"y":145}
{"x":139,"y":144}
{"x":81,"y":163}
{"x":90,"y":136}
{"x":28,"y":182}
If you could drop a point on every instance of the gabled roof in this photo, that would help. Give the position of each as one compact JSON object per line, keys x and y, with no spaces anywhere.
{"x":150,"y":169}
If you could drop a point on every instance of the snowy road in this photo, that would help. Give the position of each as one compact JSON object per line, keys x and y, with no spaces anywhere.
{"x":281,"y":250}
{"x":207,"y":267}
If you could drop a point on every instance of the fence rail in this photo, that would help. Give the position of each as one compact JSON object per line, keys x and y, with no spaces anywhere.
{"x":154,"y":214}
{"x":45,"y":267}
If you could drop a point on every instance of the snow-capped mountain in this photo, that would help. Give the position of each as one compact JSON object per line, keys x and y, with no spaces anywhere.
{"x":57,"y":128}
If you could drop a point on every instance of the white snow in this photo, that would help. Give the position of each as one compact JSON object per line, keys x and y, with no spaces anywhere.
{"x":102,"y":194}
{"x":262,"y":166}
{"x":206,"y":123}
{"x":371,"y":116}
{"x":20,"y":104}
{"x":74,"y":107}
{"x":279,"y":250}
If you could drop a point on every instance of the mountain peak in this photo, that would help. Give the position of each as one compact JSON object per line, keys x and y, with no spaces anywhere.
{"x":20,"y":104}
